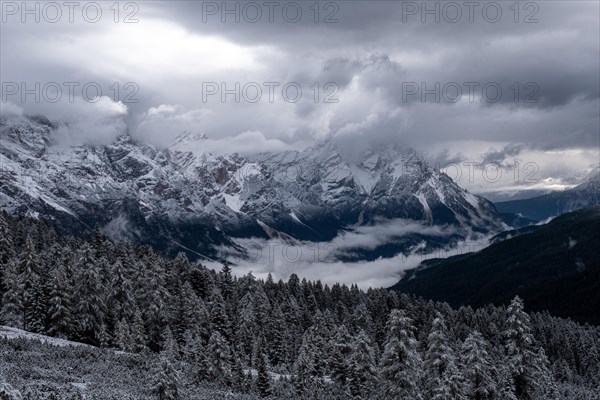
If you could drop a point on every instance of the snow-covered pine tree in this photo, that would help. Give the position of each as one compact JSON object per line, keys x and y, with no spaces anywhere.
{"x":219,"y":358}
{"x":34,"y":312}
{"x":166,"y":381}
{"x":202,"y":367}
{"x":187,"y":312}
{"x":12,"y":299}
{"x":239,"y":380}
{"x":105,"y":338}
{"x":170,"y":348}
{"x":478,"y":369}
{"x":277,"y":337}
{"x":316,"y":336}
{"x":98,"y":242}
{"x":439,"y":353}
{"x":339,"y":364}
{"x":139,"y":339}
{"x":401,"y":363}
{"x":155,"y":298}
{"x":304,"y":367}
{"x":59,"y":312}
{"x":545,"y":382}
{"x":521,"y":351}
{"x":219,"y":319}
{"x":263,"y":381}
{"x":120,"y":300}
{"x":363,"y":370}
{"x":361,"y":320}
{"x":88,"y":307}
{"x":450,"y":386}
{"x":226,"y":283}
{"x":192,"y":346}
{"x":246,"y":328}
{"x":123,"y":337}
{"x":6,"y":248}
{"x":439,"y":357}
{"x":199,"y":282}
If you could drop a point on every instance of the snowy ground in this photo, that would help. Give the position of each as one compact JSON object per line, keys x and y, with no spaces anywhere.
{"x":14,"y":333}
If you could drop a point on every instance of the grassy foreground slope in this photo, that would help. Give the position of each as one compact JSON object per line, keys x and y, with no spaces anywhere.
{"x":40,"y":367}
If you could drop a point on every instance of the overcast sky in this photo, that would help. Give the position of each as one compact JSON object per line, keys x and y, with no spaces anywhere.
{"x":370,"y":61}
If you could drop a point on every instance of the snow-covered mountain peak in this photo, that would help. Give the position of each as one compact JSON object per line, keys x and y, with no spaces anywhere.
{"x":311,"y":194}
{"x":32,"y":133}
{"x":594,"y":176}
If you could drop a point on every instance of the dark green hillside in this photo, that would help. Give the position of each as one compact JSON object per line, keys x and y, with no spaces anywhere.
{"x":554,"y":268}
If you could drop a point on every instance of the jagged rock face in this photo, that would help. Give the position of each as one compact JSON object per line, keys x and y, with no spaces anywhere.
{"x":205,"y":199}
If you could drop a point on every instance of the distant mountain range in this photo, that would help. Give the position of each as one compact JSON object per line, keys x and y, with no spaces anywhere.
{"x":550,"y":205}
{"x":555,"y":267}
{"x":170,"y":198}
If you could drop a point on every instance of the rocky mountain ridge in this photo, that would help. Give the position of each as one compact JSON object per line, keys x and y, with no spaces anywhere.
{"x":142,"y":193}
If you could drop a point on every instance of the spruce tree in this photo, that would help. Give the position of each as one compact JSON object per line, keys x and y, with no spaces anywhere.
{"x":226,"y":281}
{"x":166,"y":381}
{"x":6,"y":249}
{"x":120,"y":299}
{"x":59,"y":311}
{"x":263,"y":382}
{"x":170,"y":348}
{"x":305,"y":372}
{"x":478,"y":370}
{"x":87,"y":300}
{"x":340,"y":361}
{"x":123,"y":337}
{"x":450,"y":386}
{"x":33,"y":308}
{"x":139,"y":338}
{"x":439,"y":358}
{"x":12,"y":300}
{"x":219,"y":319}
{"x":277,"y":337}
{"x":363,"y":372}
{"x":192,"y":347}
{"x":219,"y":358}
{"x":521,"y":351}
{"x":401,"y":363}
{"x":439,"y":354}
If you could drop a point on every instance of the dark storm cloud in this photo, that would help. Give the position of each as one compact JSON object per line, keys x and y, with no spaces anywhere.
{"x":498,"y":156}
{"x":375,"y":52}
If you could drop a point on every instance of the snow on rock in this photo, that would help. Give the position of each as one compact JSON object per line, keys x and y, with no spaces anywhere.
{"x":96,"y":183}
{"x":426,"y":207}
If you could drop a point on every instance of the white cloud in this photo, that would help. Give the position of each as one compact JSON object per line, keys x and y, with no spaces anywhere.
{"x":317,"y":261}
{"x":169,"y":53}
{"x":7,"y":108}
{"x":85,"y":122}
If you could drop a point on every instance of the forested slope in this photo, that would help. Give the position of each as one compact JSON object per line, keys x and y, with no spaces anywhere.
{"x":186,"y":329}
{"x":556,"y":268}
